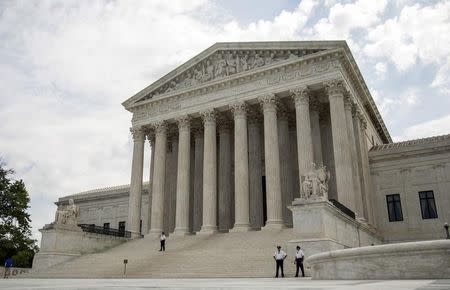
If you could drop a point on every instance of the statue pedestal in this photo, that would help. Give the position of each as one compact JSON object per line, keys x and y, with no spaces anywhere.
{"x":322,"y":227}
{"x":59,"y":243}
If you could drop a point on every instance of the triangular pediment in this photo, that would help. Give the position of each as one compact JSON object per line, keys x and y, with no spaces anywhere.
{"x":224,"y":60}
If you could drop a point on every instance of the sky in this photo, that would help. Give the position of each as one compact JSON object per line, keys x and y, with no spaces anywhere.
{"x":66,"y":67}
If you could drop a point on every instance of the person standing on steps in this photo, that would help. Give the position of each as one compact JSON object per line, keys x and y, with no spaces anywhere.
{"x":299,"y":256}
{"x":279,"y":257}
{"x":162,"y":241}
{"x":8,"y":265}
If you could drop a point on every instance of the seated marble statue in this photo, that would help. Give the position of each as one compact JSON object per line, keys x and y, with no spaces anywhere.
{"x":67,"y":215}
{"x":315,"y":183}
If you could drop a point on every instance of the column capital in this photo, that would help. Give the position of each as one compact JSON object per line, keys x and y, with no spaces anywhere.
{"x":254,"y":116}
{"x":348,"y":101}
{"x":197,"y":132}
{"x":184,"y":122}
{"x":282,"y":113}
{"x":361,"y":119}
{"x":239,"y":109}
{"x":138,"y":133}
{"x":301,"y":95}
{"x":160,"y":127}
{"x":268,"y":102}
{"x":209,"y":116}
{"x":151,"y":137}
{"x":335,"y":87}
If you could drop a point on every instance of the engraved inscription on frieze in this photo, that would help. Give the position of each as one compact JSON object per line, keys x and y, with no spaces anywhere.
{"x":226,"y":63}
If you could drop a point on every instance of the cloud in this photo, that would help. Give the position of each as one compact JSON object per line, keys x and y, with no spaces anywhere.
{"x":440,"y":126}
{"x":381,"y":69}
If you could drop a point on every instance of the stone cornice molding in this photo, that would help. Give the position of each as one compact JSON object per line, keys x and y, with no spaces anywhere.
{"x":335,"y":88}
{"x":300,"y":96}
{"x":138,"y":134}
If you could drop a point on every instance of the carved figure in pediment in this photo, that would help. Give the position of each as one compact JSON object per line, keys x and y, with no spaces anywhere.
{"x":243,"y":62}
{"x":257,"y":61}
{"x":198,"y":75}
{"x":209,"y":71}
{"x":291,"y":55}
{"x":187,"y":82}
{"x":171,"y":86}
{"x":220,"y":67}
{"x":231,"y":65}
{"x":270,"y":58}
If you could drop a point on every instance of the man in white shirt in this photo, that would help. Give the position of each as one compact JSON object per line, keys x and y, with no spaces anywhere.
{"x":279,"y":257}
{"x":299,"y":256}
{"x":162,"y":240}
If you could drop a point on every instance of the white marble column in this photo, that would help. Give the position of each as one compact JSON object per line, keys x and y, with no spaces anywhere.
{"x":151,"y":141}
{"x":198,"y":180}
{"x":241,"y":177}
{"x":159,"y":175}
{"x":285,"y":164}
{"x":272,"y":163}
{"x":342,"y":162}
{"x":209,"y":224}
{"x":134,"y":203}
{"x":225,"y":182}
{"x":314,"y":107}
{"x":255,"y":170}
{"x":361,"y":125}
{"x":304,"y":138}
{"x":183,"y":176}
{"x":348,"y":104}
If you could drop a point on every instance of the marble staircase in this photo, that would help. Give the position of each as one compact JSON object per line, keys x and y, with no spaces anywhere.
{"x":238,"y":254}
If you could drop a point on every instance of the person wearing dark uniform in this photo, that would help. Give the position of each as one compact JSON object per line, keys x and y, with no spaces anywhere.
{"x":162,"y":240}
{"x":299,"y":256}
{"x":8,"y":265}
{"x":279,"y":257}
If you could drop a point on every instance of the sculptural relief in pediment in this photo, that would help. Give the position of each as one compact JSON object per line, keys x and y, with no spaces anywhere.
{"x":225,"y":63}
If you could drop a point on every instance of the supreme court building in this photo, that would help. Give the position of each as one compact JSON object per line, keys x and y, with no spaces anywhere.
{"x":234,"y":131}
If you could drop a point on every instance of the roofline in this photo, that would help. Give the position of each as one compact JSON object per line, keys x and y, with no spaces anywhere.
{"x":410,"y":143}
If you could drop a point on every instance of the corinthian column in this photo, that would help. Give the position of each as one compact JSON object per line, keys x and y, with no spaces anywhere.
{"x":348,"y":105}
{"x":151,"y":140}
{"x":159,"y":178}
{"x":225,"y":203}
{"x":272,"y":158}
{"x":344,"y":183}
{"x":304,"y":139}
{"x":198,"y":180}
{"x":134,"y":203}
{"x":209,"y":174}
{"x":183,"y":176}
{"x":315,"y":131}
{"x":241,"y":192}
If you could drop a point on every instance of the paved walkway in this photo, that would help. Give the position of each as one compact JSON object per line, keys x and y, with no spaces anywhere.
{"x":223,"y":283}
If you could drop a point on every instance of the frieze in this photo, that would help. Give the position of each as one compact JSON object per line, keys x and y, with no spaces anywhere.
{"x":252,"y":83}
{"x":225,"y":63}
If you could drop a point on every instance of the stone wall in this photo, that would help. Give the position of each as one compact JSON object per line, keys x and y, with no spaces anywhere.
{"x":405,"y":169}
{"x":413,"y":260}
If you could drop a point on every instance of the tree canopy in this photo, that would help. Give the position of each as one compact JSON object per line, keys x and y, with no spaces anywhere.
{"x":15,"y":229}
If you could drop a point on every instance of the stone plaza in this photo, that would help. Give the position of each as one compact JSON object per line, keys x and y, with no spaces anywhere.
{"x":256,"y":144}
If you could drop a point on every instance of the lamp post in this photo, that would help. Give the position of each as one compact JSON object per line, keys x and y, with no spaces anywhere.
{"x":446,"y":230}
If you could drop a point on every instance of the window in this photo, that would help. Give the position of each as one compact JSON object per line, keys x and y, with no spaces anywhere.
{"x":106,"y":226}
{"x":427,"y":204}
{"x":394,"y":206}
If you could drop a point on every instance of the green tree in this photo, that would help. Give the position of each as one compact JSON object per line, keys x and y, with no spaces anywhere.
{"x":15,"y":230}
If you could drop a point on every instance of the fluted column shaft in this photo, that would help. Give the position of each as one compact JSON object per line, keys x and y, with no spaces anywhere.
{"x":315,"y":132}
{"x":198,"y":180}
{"x":134,"y":204}
{"x":225,"y":182}
{"x":241,"y":177}
{"x":341,"y":144}
{"x":151,"y":140}
{"x":348,"y":104}
{"x":285,"y":165}
{"x":272,"y":159}
{"x":304,"y":138}
{"x":209,"y":173}
{"x":183,"y":176}
{"x":159,"y":176}
{"x":255,"y":172}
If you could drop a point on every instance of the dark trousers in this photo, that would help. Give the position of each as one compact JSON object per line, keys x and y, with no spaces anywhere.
{"x":163,"y":245}
{"x":299,"y":263}
{"x":280,"y":266}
